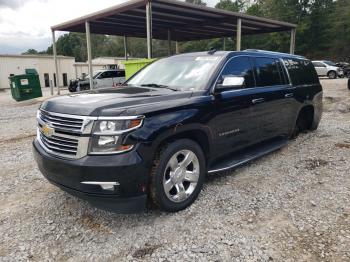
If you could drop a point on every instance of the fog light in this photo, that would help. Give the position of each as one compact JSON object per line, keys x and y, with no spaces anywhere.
{"x":104,"y":185}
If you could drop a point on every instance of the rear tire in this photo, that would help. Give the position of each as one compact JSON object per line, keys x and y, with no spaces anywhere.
{"x":177,"y":175}
{"x":332,"y":74}
{"x":302,"y":124}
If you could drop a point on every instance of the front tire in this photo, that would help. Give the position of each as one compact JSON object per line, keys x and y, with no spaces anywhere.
{"x":177,"y":175}
{"x":332,"y":74}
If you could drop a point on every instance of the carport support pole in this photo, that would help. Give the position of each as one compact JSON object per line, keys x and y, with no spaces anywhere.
{"x":292,"y":41}
{"x":149,"y":29}
{"x":56,"y":63}
{"x":177,"y":49}
{"x":169,"y":42}
{"x":239,"y":34}
{"x":88,"y":46}
{"x":125,"y":48}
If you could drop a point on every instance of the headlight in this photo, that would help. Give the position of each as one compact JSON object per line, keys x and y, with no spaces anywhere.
{"x":116,"y":127}
{"x":108,"y":133}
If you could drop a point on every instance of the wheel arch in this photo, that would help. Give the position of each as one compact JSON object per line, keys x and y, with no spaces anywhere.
{"x":200,"y":135}
{"x":332,"y":71}
{"x":308,"y":113}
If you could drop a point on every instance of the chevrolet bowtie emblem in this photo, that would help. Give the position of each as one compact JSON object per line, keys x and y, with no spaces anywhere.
{"x":47,"y":130}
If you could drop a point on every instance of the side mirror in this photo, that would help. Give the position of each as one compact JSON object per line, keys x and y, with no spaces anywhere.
{"x":232,"y":82}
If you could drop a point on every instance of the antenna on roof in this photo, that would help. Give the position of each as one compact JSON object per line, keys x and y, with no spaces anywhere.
{"x":211,"y":51}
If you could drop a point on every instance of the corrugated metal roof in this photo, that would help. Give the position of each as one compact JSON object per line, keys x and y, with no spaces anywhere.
{"x":186,"y":21}
{"x":36,"y":56}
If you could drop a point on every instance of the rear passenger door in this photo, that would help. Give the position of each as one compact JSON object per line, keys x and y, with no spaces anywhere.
{"x":274,"y":100}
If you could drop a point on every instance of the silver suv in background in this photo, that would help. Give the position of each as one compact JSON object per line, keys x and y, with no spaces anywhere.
{"x":328,"y":68}
{"x":101,"y":79}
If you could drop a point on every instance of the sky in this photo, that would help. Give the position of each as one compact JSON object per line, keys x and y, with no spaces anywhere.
{"x":26,"y":24}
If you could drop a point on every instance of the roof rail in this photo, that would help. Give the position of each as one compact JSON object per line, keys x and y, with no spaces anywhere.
{"x":271,"y":52}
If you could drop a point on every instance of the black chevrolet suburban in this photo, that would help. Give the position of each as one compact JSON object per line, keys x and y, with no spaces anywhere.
{"x":153,"y":140}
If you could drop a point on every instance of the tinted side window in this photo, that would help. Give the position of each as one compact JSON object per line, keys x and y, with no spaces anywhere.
{"x":114,"y":73}
{"x":301,"y":72}
{"x":107,"y":74}
{"x":240,"y":66}
{"x":120,"y":73}
{"x":318,"y":64}
{"x":267,"y":72}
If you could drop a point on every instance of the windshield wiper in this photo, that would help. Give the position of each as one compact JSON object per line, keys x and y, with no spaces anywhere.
{"x":160,"y":86}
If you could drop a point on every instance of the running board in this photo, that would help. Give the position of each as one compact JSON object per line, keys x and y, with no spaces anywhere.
{"x":248,"y":155}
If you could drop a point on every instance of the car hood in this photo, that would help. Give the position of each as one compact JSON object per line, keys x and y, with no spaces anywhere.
{"x":113,"y":102}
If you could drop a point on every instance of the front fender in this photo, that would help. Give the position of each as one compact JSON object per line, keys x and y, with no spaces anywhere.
{"x":158,"y":128}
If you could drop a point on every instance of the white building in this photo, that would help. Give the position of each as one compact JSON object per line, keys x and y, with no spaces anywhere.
{"x":44,"y":65}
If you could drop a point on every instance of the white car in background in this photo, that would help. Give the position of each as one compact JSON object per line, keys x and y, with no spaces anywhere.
{"x":103,"y":78}
{"x":327,"y":68}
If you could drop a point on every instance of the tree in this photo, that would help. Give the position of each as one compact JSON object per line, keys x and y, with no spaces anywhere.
{"x":30,"y":51}
{"x":229,"y":5}
{"x":196,"y":2}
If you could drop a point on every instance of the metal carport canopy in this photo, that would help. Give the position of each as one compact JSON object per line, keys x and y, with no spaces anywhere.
{"x":167,"y":20}
{"x":185,"y":21}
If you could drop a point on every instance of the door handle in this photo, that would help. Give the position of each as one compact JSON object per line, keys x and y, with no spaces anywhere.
{"x":288,"y":95}
{"x":258,"y":100}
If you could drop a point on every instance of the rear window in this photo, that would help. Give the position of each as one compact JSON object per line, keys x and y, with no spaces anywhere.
{"x":267,"y":72}
{"x":301,"y":72}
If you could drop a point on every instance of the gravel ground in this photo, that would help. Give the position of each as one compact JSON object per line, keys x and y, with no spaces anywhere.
{"x":292,"y":205}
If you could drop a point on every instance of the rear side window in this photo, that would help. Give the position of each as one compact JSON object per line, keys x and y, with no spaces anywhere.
{"x":301,"y":72}
{"x":240,"y":66}
{"x":267,"y":72}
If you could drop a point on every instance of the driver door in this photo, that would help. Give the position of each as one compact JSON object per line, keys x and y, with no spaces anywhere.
{"x":104,"y":79}
{"x":234,"y":125}
{"x":321,"y":68}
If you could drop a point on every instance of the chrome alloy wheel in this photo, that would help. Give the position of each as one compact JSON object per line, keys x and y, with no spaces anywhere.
{"x":181,"y":175}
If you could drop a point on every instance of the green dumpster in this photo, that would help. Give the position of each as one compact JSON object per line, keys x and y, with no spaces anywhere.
{"x":133,"y":66}
{"x":26,"y":86}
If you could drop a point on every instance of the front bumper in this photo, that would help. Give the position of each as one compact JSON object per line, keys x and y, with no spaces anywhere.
{"x":128,"y":170}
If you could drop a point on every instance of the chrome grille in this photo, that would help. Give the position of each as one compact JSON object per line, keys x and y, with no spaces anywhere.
{"x":70,"y":136}
{"x":60,"y":145}
{"x":61,"y":122}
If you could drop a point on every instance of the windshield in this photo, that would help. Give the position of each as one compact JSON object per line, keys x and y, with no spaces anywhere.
{"x":330,"y":63}
{"x":177,"y":72}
